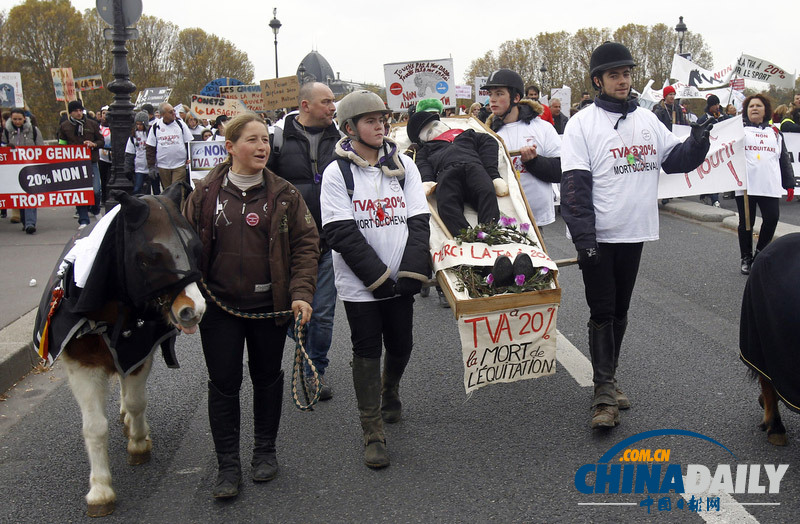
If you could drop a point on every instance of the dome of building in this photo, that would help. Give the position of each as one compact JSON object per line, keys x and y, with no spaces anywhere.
{"x":314,"y":67}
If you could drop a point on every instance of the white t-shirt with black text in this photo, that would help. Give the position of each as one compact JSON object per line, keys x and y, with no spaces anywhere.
{"x":380,"y":208}
{"x":136,"y":146}
{"x":170,"y":143}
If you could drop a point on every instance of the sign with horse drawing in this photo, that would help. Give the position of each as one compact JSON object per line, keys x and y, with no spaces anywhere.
{"x":45,"y":176}
{"x":409,"y":82}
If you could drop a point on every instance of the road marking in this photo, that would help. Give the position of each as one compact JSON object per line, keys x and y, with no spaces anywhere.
{"x":607,"y":504}
{"x":573,"y":361}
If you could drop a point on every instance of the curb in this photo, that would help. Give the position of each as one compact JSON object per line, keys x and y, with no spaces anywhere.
{"x":17,"y":356}
{"x":727,"y":218}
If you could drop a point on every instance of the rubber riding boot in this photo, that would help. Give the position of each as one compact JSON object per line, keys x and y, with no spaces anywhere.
{"x":620,"y":325}
{"x":393,"y":368}
{"x":267,"y":402}
{"x":747,"y":261}
{"x":605,"y":411}
{"x":367,"y":382}
{"x":223,"y":414}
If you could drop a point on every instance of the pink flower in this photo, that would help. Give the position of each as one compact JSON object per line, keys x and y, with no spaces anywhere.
{"x":504,"y":221}
{"x":482,"y":235}
{"x":490,"y":279}
{"x":519,"y":279}
{"x":512,"y":221}
{"x":544,"y":270}
{"x":524,"y":227}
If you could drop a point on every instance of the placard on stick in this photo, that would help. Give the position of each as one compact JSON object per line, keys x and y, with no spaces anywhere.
{"x":280,"y":93}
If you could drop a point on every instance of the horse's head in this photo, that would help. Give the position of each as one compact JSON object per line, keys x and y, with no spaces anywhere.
{"x":159,"y":256}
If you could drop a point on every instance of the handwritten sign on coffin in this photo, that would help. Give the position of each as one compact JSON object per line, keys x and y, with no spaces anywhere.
{"x":507,"y":346}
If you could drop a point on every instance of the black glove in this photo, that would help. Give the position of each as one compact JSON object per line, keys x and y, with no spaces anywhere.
{"x":153,"y":173}
{"x":700,"y":132}
{"x":408,"y":286}
{"x":385,"y":290}
{"x":588,"y":257}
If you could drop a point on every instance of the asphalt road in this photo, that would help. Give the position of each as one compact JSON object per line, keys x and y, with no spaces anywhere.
{"x":507,"y":453}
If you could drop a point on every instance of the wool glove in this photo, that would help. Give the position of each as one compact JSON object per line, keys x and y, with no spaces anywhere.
{"x":500,"y":187}
{"x":588,"y":257}
{"x":408,"y":286}
{"x":385,"y":290}
{"x":700,"y":132}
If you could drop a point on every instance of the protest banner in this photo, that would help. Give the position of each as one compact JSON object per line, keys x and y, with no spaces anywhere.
{"x":11,"y":90}
{"x":507,"y":346}
{"x":89,"y":83}
{"x":463,"y":91}
{"x":409,"y":82}
{"x":481,"y":94}
{"x":205,"y":156}
{"x":45,"y":176}
{"x":153,"y":95}
{"x":280,"y":93}
{"x":688,"y":73}
{"x":250,"y":95}
{"x":564,"y":94}
{"x":64,"y":84}
{"x":752,"y":68}
{"x":211,"y":107}
{"x":724,"y":168}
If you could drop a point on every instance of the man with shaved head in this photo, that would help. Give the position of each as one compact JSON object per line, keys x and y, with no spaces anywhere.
{"x":300,"y":152}
{"x":166,"y":147}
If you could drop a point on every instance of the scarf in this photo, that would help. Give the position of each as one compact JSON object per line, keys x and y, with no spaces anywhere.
{"x":612,"y":105}
{"x":78,"y":125}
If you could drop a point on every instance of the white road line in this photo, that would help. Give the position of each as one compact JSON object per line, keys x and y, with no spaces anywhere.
{"x":573,"y":361}
{"x":730,"y":511}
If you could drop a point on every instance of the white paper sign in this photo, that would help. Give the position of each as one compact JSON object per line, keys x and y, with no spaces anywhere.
{"x":793,"y":146}
{"x":507,"y":346}
{"x":205,"y":156}
{"x":752,"y":68}
{"x":687,"y":72}
{"x":564,"y":94}
{"x":724,"y":168}
{"x":463,"y":91}
{"x":11,"y":90}
{"x":409,"y":82}
{"x":211,"y":107}
{"x":481,"y":94}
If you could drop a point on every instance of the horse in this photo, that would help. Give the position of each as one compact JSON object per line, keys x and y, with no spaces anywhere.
{"x":768,"y":341}
{"x":120,"y":292}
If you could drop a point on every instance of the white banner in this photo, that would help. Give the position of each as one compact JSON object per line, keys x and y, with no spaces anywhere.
{"x":204,"y":156}
{"x":11,"y":90}
{"x":793,"y":146}
{"x":409,"y":82}
{"x":724,"y":168}
{"x":752,"y":68}
{"x":687,"y":72}
{"x":211,"y":107}
{"x":451,"y":254}
{"x":481,"y":94}
{"x":45,"y":176}
{"x":463,"y":91}
{"x":564,"y":94}
{"x":507,"y":346}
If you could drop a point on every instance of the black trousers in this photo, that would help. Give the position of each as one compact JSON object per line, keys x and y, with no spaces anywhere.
{"x":224,"y":336}
{"x":381,"y":323}
{"x":469,"y":183}
{"x":609,"y":284}
{"x":105,"y":174}
{"x":770,"y":213}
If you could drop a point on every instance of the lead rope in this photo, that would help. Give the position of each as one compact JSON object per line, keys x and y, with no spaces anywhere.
{"x":300,"y":352}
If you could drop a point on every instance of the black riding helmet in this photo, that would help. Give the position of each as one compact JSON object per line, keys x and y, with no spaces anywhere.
{"x":509,"y":79}
{"x":608,"y":55}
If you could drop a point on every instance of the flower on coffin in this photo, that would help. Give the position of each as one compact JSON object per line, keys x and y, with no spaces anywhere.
{"x":489,"y":279}
{"x":519,"y":279}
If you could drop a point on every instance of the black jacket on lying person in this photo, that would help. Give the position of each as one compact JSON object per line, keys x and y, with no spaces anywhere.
{"x":468,"y":147}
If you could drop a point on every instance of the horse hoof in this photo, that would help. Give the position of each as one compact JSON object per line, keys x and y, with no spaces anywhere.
{"x":762,"y":426}
{"x":101,"y":510}
{"x":777,"y":439}
{"x":138,"y":459}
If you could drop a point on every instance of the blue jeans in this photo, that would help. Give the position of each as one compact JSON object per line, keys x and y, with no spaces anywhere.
{"x":320,"y":329}
{"x":28,"y":217}
{"x":138,"y":182}
{"x":83,"y":211}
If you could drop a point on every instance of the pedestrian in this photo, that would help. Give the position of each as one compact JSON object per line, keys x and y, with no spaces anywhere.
{"x":168,"y":147}
{"x":207,"y":135}
{"x":136,"y":154}
{"x":559,"y":118}
{"x":375,"y":218}
{"x":104,"y":153}
{"x":20,"y":131}
{"x":194,"y":127}
{"x":301,"y":150}
{"x":532,"y":93}
{"x":612,"y":153}
{"x":712,"y":111}
{"x":769,"y":172}
{"x":257,"y":261}
{"x":79,"y":130}
{"x":219,"y":128}
{"x":518,"y":123}
{"x":474,"y":109}
{"x":667,"y":110}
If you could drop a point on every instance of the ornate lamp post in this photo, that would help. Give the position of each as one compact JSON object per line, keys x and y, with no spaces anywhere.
{"x":275,"y":24}
{"x":543,"y":70}
{"x":681,"y":30}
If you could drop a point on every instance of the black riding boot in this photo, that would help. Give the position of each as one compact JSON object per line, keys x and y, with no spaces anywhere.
{"x":602,"y":349}
{"x":223,"y":414}
{"x":620,"y":325}
{"x":367,"y":382}
{"x":393,"y":368}
{"x":267,"y":402}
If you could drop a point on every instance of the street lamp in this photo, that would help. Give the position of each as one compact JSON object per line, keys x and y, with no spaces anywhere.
{"x":681,"y":29}
{"x":275,"y":24}
{"x":543,"y":70}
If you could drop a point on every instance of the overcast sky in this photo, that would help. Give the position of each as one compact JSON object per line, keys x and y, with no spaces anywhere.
{"x":358,"y":37}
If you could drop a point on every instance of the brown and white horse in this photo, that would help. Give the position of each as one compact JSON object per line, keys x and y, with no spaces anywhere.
{"x":142,"y":286}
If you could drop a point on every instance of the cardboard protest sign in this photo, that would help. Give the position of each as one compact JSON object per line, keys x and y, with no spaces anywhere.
{"x":250,"y":95}
{"x":409,"y":82}
{"x":280,"y":93}
{"x":11,"y":90}
{"x":793,"y":147}
{"x":64,"y":84}
{"x":509,"y":345}
{"x":45,"y":176}
{"x":89,"y":83}
{"x":688,"y":73}
{"x":481,"y":94}
{"x":752,"y":68}
{"x":153,"y":95}
{"x":724,"y":168}
{"x":463,"y":91}
{"x":211,"y":107}
{"x":205,"y":156}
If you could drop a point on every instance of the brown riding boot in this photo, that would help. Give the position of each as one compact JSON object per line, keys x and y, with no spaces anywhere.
{"x":367,"y":383}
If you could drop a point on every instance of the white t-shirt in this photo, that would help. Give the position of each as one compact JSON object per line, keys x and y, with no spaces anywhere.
{"x":548,"y":144}
{"x":170,"y":143}
{"x":104,"y":154}
{"x":625,"y":196}
{"x":371,"y":190}
{"x":136,"y":146}
{"x":762,"y":151}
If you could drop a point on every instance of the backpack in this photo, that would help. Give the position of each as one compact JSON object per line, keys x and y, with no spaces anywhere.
{"x":347,"y":174}
{"x":155,"y":127}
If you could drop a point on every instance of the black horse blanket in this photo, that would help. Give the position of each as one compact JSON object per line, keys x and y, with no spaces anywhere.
{"x":769,"y":341}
